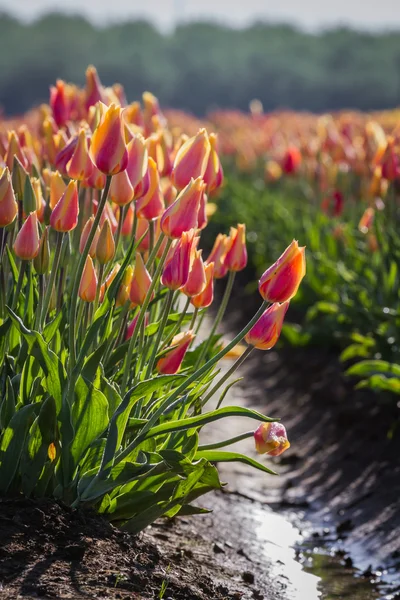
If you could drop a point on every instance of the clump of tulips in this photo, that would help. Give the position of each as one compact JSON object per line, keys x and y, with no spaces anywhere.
{"x":104,"y":374}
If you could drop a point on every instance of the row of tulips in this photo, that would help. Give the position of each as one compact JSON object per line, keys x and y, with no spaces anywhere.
{"x":104,"y":375}
{"x":334,"y":182}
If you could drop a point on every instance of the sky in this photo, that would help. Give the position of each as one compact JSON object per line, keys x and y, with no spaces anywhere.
{"x":309,"y":14}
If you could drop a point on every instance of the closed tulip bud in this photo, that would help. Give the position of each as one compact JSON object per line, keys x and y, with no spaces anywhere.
{"x":121,"y":190}
{"x":271,"y":438}
{"x":29,"y":202}
{"x":214,"y":175}
{"x":265,"y":333}
{"x":27,"y":242}
{"x":84,"y":236}
{"x":96,"y":179}
{"x":141,"y":282}
{"x":19,"y":174}
{"x":88,"y":284}
{"x":170,"y":363}
{"x":151,"y":110}
{"x":151,"y":205}
{"x":132,"y":325}
{"x":177,"y":264}
{"x":49,"y":147}
{"x":291,"y":161}
{"x":41,"y":262}
{"x":37,"y":190}
{"x":105,"y":248}
{"x":367,"y":220}
{"x":14,"y":149}
{"x":191,"y":160}
{"x":182,"y":215}
{"x":281,"y":281}
{"x":57,"y":188}
{"x":8,"y":204}
{"x":137,"y":159}
{"x":236,"y":256}
{"x":169,"y":191}
{"x":109,"y":281}
{"x":124,"y":289}
{"x":206,"y":297}
{"x":80,"y":165}
{"x":197,"y":276}
{"x":64,"y":216}
{"x":108,"y":149}
{"x":94,"y":90}
{"x":59,"y":103}
{"x":218,"y":254}
{"x":64,"y":155}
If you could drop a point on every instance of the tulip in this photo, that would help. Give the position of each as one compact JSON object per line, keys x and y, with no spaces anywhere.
{"x":14,"y":149}
{"x":105,"y":248}
{"x":40,"y":202}
{"x":59,"y":103}
{"x":218,"y":254}
{"x":291,"y":161}
{"x":57,"y":188}
{"x":191,"y":160}
{"x":182,"y":215}
{"x":132,"y":325}
{"x":281,"y":281}
{"x":41,"y":262}
{"x":127,"y":225}
{"x":202,"y":215}
{"x":152,"y":110}
{"x":390,"y":162}
{"x":123,"y":185}
{"x":8,"y":204}
{"x":27,"y":242}
{"x":124,"y":289}
{"x":197,"y":276}
{"x":205,"y":298}
{"x":80,"y":165}
{"x":64,"y":155}
{"x":109,"y":281}
{"x":88,"y":284}
{"x":367,"y":220}
{"x":170,"y":363}
{"x":94,"y":89}
{"x":84,"y":236}
{"x":121,"y":190}
{"x":96,"y":179}
{"x":271,"y":438}
{"x":141,"y":282}
{"x":108,"y":149}
{"x":214,"y":174}
{"x":64,"y":216}
{"x":151,"y":205}
{"x":18,"y":177}
{"x":177,"y":264}
{"x":236,"y":256}
{"x":266,"y":331}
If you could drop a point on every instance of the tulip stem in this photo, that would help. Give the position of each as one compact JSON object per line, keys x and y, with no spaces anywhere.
{"x":219,"y":316}
{"x":121,"y":219}
{"x":40,"y":300}
{"x":18,"y":289}
{"x":194,"y":317}
{"x":233,"y":440}
{"x":79,"y":272}
{"x":163,"y":322}
{"x":98,"y":289}
{"x":151,"y":236}
{"x":153,"y":253}
{"x":53,"y":272}
{"x":132,"y":341}
{"x":177,"y":325}
{"x":225,"y":377}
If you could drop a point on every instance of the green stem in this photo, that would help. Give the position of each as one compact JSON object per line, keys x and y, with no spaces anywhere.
{"x":98,"y":289}
{"x":219,"y":316}
{"x":78,"y":275}
{"x":233,"y":440}
{"x":54,"y":268}
{"x":142,"y":313}
{"x":194,"y":317}
{"x":230,"y":372}
{"x":19,"y":284}
{"x":153,"y":253}
{"x":177,"y":326}
{"x":40,"y":300}
{"x":121,"y":218}
{"x":200,"y":323}
{"x":163,"y":322}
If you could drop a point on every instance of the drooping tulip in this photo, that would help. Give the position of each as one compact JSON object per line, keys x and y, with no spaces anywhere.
{"x":265,"y":333}
{"x":88,"y":284}
{"x":281,"y":281}
{"x":170,"y":363}
{"x":182,"y":215}
{"x":8,"y":204}
{"x":141,"y":282}
{"x":108,"y":149}
{"x":271,"y":438}
{"x":64,"y":216}
{"x":27,"y":242}
{"x":236,"y":256}
{"x":191,"y":160}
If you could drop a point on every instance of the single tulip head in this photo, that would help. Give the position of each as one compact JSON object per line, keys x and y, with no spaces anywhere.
{"x":170,"y":363}
{"x":196,"y":281}
{"x":27,"y":242}
{"x":8,"y":204}
{"x":41,"y":262}
{"x":265,"y":333}
{"x":141,"y":282}
{"x":182,"y":215}
{"x":108,"y":149}
{"x":64,"y":216}
{"x":84,"y":236}
{"x":57,"y":188}
{"x":218,"y":254}
{"x":236,"y":256}
{"x":80,"y":165}
{"x":214,"y":175}
{"x":105,"y":248}
{"x":205,"y":298}
{"x":59,"y":103}
{"x":88,"y":284}
{"x":281,"y":281}
{"x":177,"y":264}
{"x":271,"y":438}
{"x":191,"y":160}
{"x":151,"y":205}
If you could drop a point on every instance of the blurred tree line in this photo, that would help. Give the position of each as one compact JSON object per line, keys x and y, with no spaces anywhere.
{"x":202,"y":66}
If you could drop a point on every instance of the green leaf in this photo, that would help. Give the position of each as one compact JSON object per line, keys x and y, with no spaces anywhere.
{"x":371,"y":367}
{"x":221,"y":456}
{"x":354,"y":351}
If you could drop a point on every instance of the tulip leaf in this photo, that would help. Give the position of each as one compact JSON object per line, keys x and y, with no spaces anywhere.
{"x":221,"y":456}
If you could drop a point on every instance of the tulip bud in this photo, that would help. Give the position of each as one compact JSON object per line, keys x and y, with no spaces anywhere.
{"x":108,"y":149}
{"x":367,"y":220}
{"x":124,"y":289}
{"x":64,"y":216}
{"x":40,"y":202}
{"x":8,"y":204}
{"x":291,"y":161}
{"x":127,"y":225}
{"x":19,"y":175}
{"x":26,"y":245}
{"x":236,"y":256}
{"x":59,"y":103}
{"x":206,"y":297}
{"x":96,"y":179}
{"x":191,"y":160}
{"x":109,"y":281}
{"x":14,"y":149}
{"x":80,"y":165}
{"x":105,"y":248}
{"x":197,"y":276}
{"x":170,"y":363}
{"x":177,"y":264}
{"x":94,"y":90}
{"x":137,"y":160}
{"x":132,"y":325}
{"x":281,"y":281}
{"x":88,"y":284}
{"x":151,"y":110}
{"x":218,"y":254}
{"x":214,"y":174}
{"x":151,"y":205}
{"x":41,"y":262}
{"x":121,"y":190}
{"x":141,"y":282}
{"x":182,"y":215}
{"x":84,"y":236}
{"x":57,"y":188}
{"x":265,"y":333}
{"x":29,"y":202}
{"x":65,"y":154}
{"x":271,"y":438}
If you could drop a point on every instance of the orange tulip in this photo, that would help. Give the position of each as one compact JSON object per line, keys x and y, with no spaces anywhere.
{"x":105,"y":248}
{"x":271,"y":438}
{"x":80,"y":165}
{"x":206,"y":297}
{"x":265,"y":333}
{"x":64,"y":216}
{"x":8,"y":204}
{"x":214,"y":174}
{"x":108,"y":149}
{"x":170,"y":363}
{"x":88,"y":284}
{"x":57,"y":188}
{"x":236,"y":256}
{"x":141,"y":282}
{"x":182,"y":215}
{"x":177,"y":264}
{"x":151,"y":205}
{"x":196,"y":281}
{"x":27,"y":242}
{"x":281,"y":281}
{"x":191,"y":160}
{"x":218,"y":254}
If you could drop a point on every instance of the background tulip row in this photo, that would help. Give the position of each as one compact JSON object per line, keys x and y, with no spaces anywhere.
{"x":332,"y":181}
{"x":106,"y":364}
